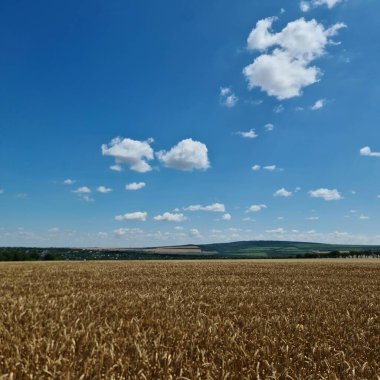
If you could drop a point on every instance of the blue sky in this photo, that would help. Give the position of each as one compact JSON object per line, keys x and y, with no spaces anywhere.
{"x":143,"y":123}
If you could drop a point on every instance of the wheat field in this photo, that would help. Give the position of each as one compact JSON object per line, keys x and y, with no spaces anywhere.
{"x":190,"y":320}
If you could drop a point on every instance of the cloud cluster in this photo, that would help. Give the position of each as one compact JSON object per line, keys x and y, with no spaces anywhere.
{"x":326,"y":194}
{"x":187,"y":155}
{"x":286,"y":70}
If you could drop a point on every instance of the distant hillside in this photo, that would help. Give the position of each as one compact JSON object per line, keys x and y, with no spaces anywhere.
{"x":234,"y":250}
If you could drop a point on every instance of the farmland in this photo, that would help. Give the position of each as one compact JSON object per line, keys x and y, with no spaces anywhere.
{"x":304,"y":319}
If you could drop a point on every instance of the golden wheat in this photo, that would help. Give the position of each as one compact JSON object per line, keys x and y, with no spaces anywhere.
{"x":190,"y":320}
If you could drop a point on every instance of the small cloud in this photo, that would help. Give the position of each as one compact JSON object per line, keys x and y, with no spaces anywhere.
{"x":270,"y":168}
{"x":103,"y":189}
{"x":251,"y":134}
{"x":215,"y":207}
{"x":69,"y":181}
{"x":269,"y":127}
{"x":170,"y":217}
{"x":256,"y":168}
{"x":53,"y":230}
{"x":194,"y":232}
{"x":306,"y":6}
{"x":135,"y":186}
{"x":116,"y":168}
{"x":318,"y":104}
{"x":249,"y":219}
{"x":82,"y":190}
{"x":227,"y":97}
{"x":227,"y":217}
{"x":363,"y":217}
{"x":366,"y":151}
{"x":326,"y":194}
{"x":279,"y":109}
{"x":256,"y":208}
{"x":138,"y":215}
{"x":276,"y":231}
{"x":312,"y":218}
{"x":282,"y":193}
{"x":2,"y":191}
{"x":21,"y":195}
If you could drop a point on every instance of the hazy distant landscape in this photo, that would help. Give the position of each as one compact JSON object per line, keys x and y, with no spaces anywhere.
{"x":233,"y":250}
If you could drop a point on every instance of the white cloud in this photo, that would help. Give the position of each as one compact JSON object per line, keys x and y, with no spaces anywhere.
{"x":116,"y":168}
{"x":138,"y":215}
{"x":68,"y":181}
{"x":194,"y":232}
{"x":86,"y":198}
{"x":103,"y":189}
{"x":269,"y":127}
{"x":251,"y":134}
{"x":286,"y":70}
{"x":179,"y":228}
{"x":256,"y":208}
{"x":215,"y":207}
{"x":134,"y":153}
{"x":276,"y":231}
{"x":271,"y":168}
{"x":318,"y":105}
{"x":128,"y":231}
{"x":82,"y":190}
{"x":363,"y":217}
{"x":187,"y":155}
{"x":326,"y":194}
{"x":227,"y":216}
{"x":227,"y":97}
{"x":256,"y":168}
{"x":313,"y":218}
{"x":170,"y":217}
{"x":53,"y":230}
{"x":366,"y":151}
{"x":282,"y":193}
{"x":135,"y":186}
{"x":306,"y":6}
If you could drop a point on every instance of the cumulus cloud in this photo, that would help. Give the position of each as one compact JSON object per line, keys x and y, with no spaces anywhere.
{"x":227,"y":217}
{"x":269,"y":127}
{"x":194,"y":232}
{"x":170,"y":217}
{"x":135,"y":186}
{"x":256,"y":208}
{"x":187,"y":155}
{"x":68,"y":181}
{"x":82,"y":190}
{"x":282,"y":193}
{"x":134,"y":153}
{"x":215,"y":207}
{"x":256,"y":168}
{"x":326,"y":194}
{"x":227,"y":97}
{"x":318,"y":105}
{"x":366,"y":151}
{"x":306,"y":6}
{"x":251,"y":134}
{"x":138,"y":215}
{"x":103,"y":189}
{"x":271,"y":168}
{"x":286,"y":70}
